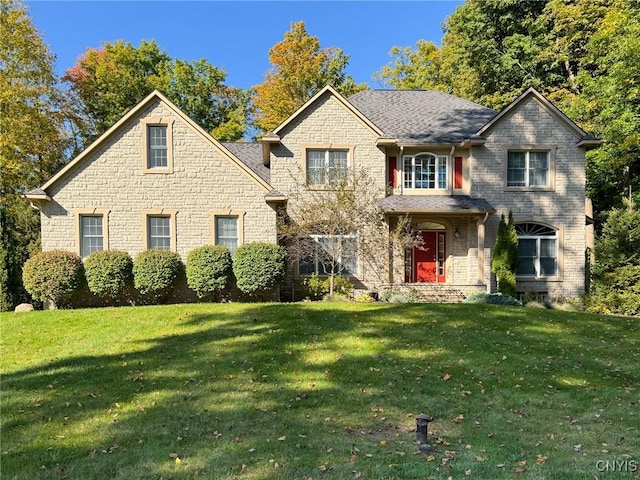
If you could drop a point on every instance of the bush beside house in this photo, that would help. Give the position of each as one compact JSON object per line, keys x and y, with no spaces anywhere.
{"x":109,"y":274}
{"x":259,"y":268}
{"x":155,"y":273}
{"x":209,"y":270}
{"x":55,"y":276}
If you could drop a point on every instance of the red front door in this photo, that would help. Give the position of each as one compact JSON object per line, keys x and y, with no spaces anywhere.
{"x":428,"y":260}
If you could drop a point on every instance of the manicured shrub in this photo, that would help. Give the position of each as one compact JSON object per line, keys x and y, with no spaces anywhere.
{"x":155,"y":273}
{"x":365,"y":298}
{"x":54,"y":276}
{"x":109,"y":273}
{"x":259,"y":267}
{"x":492,"y":299}
{"x":208,"y":270}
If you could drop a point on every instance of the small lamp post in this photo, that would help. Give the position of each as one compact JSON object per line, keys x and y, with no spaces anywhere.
{"x":422,"y":422}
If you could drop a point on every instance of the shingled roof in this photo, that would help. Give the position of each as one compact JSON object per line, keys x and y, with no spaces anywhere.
{"x":435,"y":204}
{"x":251,"y":155}
{"x":422,"y":116}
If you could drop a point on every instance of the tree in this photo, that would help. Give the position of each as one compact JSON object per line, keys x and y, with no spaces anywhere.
{"x":111,"y":80}
{"x":335,"y":226}
{"x":32,"y":142}
{"x":505,"y":258}
{"x":419,"y":68}
{"x":300,"y":69}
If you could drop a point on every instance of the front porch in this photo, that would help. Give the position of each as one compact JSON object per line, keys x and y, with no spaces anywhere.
{"x":451,"y":258}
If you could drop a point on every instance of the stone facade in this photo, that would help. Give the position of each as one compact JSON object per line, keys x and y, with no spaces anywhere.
{"x":112,"y":179}
{"x":205,"y":179}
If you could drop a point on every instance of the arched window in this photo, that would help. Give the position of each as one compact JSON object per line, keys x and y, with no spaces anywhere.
{"x":425,"y":170}
{"x":538,"y":248}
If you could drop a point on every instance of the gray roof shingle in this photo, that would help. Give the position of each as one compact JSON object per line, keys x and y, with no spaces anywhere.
{"x":251,"y":155}
{"x":422,"y":116}
{"x":434,"y":203}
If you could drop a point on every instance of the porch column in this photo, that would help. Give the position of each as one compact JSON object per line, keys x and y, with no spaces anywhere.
{"x":481,"y":221}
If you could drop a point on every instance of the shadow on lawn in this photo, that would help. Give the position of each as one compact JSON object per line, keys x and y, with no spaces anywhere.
{"x":236,"y":382}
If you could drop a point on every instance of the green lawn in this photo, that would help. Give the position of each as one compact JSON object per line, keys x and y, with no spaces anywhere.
{"x":318,"y":391}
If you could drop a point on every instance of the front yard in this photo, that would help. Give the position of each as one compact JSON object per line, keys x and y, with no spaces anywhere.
{"x":319,"y":391}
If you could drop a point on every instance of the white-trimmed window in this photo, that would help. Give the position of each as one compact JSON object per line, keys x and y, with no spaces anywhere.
{"x":528,"y":168}
{"x":226,"y":232}
{"x":326,"y":166}
{"x":157,"y":155}
{"x":159,"y":232}
{"x":337,"y":252}
{"x":538,"y":249}
{"x":425,"y":171}
{"x":157,"y":145}
{"x":91,"y":234}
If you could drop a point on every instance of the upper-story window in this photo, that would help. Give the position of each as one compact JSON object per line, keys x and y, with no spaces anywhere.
{"x":538,"y":249}
{"x":425,"y":171}
{"x":326,"y":166}
{"x":157,"y":145}
{"x":528,"y":168}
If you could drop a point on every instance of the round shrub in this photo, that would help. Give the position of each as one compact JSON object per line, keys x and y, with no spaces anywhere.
{"x":155,"y":272}
{"x":208,"y":269}
{"x":109,"y":273}
{"x":259,"y":267}
{"x":54,"y":276}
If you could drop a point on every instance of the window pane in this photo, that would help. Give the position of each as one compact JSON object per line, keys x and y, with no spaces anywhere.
{"x":547,"y":267}
{"x":442,"y":172}
{"x":547,"y":247}
{"x":91,"y":234}
{"x":408,"y":172}
{"x":527,"y":266}
{"x":516,"y":167}
{"x":227,"y":232}
{"x":425,"y":171}
{"x":159,"y":230}
{"x":338,"y":166}
{"x":157,"y":147}
{"x":538,"y":168}
{"x":527,"y":247}
{"x":349,"y":257}
{"x":315,"y":167}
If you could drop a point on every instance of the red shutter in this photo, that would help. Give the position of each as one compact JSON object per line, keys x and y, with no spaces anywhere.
{"x":457,"y":173}
{"x":392,"y":174}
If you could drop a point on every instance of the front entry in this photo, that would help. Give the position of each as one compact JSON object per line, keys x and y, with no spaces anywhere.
{"x":427,"y":262}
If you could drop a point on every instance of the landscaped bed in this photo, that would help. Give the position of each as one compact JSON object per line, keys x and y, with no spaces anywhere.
{"x":319,"y":390}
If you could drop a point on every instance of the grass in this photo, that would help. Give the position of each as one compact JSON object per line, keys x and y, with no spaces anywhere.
{"x":318,"y":391}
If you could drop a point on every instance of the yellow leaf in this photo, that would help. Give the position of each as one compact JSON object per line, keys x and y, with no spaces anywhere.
{"x":446,"y":376}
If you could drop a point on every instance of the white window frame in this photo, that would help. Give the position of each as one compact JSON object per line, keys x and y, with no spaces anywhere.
{"x":409,"y":181}
{"x":537,"y":259}
{"x":527,"y":150}
{"x":318,"y":264}
{"x":326,"y":180}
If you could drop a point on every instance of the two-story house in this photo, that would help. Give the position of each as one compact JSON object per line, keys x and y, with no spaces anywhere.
{"x":157,"y":180}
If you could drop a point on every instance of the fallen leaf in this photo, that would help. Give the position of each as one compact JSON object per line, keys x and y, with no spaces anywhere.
{"x":519,"y":470}
{"x":322,"y":468}
{"x":446,"y":376}
{"x":458,"y":418}
{"x":282,"y":438}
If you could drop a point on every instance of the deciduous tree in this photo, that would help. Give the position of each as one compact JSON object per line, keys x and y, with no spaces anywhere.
{"x":32,"y":142}
{"x":300,"y":68}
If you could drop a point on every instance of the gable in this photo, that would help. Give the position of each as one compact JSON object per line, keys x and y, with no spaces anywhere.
{"x":126,"y":136}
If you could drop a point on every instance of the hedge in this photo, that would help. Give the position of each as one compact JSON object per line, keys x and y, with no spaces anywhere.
{"x":209,"y":269}
{"x":259,"y":267}
{"x":155,"y":273}
{"x":109,"y":273}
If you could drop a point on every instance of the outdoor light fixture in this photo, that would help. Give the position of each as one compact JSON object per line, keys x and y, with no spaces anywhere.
{"x":456,"y":233}
{"x":422,"y":421}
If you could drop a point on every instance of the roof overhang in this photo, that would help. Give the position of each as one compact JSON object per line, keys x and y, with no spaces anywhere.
{"x":457,"y":205}
{"x":589,"y":143}
{"x":37,"y":197}
{"x":386,"y":142}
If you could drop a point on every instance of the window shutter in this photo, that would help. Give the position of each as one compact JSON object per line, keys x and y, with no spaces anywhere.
{"x":457,"y":173}
{"x":392,"y":173}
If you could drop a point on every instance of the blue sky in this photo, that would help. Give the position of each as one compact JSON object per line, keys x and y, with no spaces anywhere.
{"x":237,"y":35}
